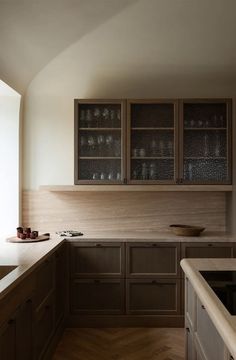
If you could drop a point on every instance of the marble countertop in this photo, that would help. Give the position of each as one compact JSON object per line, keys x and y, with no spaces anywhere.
{"x":224,"y":322}
{"x":167,"y":236}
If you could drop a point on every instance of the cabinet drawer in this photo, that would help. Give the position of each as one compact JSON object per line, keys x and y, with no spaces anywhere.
{"x":44,"y":281}
{"x":94,"y":260}
{"x":160,"y":296}
{"x":97,"y":296}
{"x":212,"y":346}
{"x":145,"y":260}
{"x":44,"y":327}
{"x":208,"y":250}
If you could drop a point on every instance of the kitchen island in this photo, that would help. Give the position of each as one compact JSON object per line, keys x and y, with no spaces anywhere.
{"x":210,"y":326}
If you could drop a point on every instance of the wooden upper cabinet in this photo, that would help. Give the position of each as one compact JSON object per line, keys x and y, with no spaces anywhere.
{"x":152,"y":146}
{"x":205,"y":141}
{"x":153,"y":141}
{"x":99,"y":142}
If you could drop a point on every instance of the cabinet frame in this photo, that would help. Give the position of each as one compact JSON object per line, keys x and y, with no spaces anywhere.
{"x":176,"y":145}
{"x":77,"y":104}
{"x":228,"y":103}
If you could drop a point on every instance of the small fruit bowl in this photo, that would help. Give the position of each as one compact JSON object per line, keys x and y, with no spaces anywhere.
{"x":186,"y":230}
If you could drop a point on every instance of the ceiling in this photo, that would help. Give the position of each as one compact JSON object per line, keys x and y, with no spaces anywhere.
{"x":32,"y":32}
{"x":181,"y":34}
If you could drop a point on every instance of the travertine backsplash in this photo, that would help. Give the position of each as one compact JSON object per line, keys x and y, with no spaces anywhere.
{"x":126,"y":211}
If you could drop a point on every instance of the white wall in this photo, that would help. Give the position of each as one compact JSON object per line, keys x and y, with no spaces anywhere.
{"x":9,"y":159}
{"x":152,"y":49}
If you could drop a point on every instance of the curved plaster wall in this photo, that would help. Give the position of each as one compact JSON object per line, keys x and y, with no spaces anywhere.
{"x":152,"y":49}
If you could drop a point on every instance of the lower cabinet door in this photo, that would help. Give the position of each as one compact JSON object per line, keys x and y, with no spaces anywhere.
{"x":24,"y":349}
{"x":97,"y":296}
{"x":44,"y":327}
{"x":8,"y":340}
{"x":212,"y":346}
{"x":160,"y":297}
{"x":190,"y":352}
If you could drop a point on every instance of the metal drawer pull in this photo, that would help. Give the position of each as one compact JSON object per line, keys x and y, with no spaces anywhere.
{"x":97,"y":281}
{"x":188,"y":330}
{"x":11,"y":321}
{"x":209,"y":244}
{"x":203,"y":307}
{"x":98,"y":245}
{"x":154,"y":244}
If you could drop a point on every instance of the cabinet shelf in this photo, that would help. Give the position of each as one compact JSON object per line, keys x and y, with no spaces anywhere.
{"x":99,"y":158}
{"x":205,"y":158}
{"x":153,"y":158}
{"x":205,"y":128}
{"x":100,"y":129}
{"x":149,"y":188}
{"x":152,"y":128}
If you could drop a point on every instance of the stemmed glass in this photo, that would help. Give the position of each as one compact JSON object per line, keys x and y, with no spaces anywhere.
{"x":97,"y":115}
{"x":101,"y":143}
{"x":91,"y":144}
{"x":109,"y":142}
{"x":89,"y":118}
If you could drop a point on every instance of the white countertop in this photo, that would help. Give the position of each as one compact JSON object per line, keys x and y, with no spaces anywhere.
{"x":224,"y":322}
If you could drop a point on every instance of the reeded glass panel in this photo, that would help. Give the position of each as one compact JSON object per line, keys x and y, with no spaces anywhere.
{"x":205,"y":142}
{"x":152,"y":142}
{"x":100,"y":142}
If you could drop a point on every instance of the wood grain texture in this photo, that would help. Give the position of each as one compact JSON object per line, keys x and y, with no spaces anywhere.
{"x":49,"y":211}
{"x":121,"y":344}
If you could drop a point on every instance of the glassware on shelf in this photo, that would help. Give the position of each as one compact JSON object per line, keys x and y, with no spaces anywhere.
{"x":142,"y":152}
{"x":152,"y":171}
{"x":214,"y":121}
{"x":190,"y":172}
{"x":170,"y":148}
{"x":97,"y":116}
{"x":221,"y":121}
{"x":105,"y":115}
{"x":101,"y":143}
{"x":144,"y":172}
{"x":161,"y":148}
{"x":110,"y":176}
{"x":91,"y":144}
{"x":192,"y":123}
{"x":118,"y":115}
{"x":109,"y":141}
{"x":207,"y":124}
{"x":206,"y":145}
{"x":217,"y":146}
{"x":89,"y":118}
{"x":135,"y":152}
{"x":102,"y":176}
{"x":117,"y":149}
{"x":135,"y":175}
{"x":95,"y":176}
{"x":200,"y":123}
{"x":118,"y":176}
{"x":154,"y":147}
{"x":113,"y":118}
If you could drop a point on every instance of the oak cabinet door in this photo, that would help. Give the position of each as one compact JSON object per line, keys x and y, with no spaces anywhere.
{"x":94,"y":260}
{"x":97,"y":296}
{"x":161,"y":296}
{"x":148,"y":260}
{"x":44,"y":280}
{"x":24,"y":335}
{"x":8,"y":340}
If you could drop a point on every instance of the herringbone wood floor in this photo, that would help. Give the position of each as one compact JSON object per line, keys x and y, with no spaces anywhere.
{"x":121,"y":344}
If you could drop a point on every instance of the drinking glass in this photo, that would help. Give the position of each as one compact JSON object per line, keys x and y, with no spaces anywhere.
{"x":89,"y":118}
{"x":170,"y":148}
{"x":97,"y":115}
{"x":161,"y":147}
{"x":118,"y":176}
{"x":153,"y":147}
{"x":110,"y":176}
{"x":102,"y":176}
{"x":95,"y":176}
{"x":91,"y":144}
{"x":152,"y":171}
{"x":101,"y":143}
{"x":109,"y":141}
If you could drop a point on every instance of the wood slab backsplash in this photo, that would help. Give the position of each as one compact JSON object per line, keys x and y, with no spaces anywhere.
{"x":51,"y":211}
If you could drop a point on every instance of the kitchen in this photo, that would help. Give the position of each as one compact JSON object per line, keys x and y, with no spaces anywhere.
{"x":124,"y":131}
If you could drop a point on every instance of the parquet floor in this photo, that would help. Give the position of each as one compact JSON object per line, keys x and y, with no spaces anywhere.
{"x":121,"y":344}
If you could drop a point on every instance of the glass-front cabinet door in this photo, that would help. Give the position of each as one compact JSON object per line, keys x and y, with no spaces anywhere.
{"x":99,"y":141}
{"x":152,"y":141}
{"x":205,"y":142}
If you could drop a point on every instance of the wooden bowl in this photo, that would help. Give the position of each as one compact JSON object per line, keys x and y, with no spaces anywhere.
{"x":186,"y":230}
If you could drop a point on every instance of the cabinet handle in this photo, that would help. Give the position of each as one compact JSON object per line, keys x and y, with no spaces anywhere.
{"x":177,"y":181}
{"x":154,"y":282}
{"x":203,"y":307}
{"x":47,"y":307}
{"x":209,"y":244}
{"x":29,"y":301}
{"x":98,"y":245}
{"x":231,"y":357}
{"x":97,"y":281}
{"x":11,"y":321}
{"x":188,"y":330}
{"x":154,"y":244}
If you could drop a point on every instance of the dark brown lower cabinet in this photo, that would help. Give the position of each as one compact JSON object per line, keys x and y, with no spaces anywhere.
{"x":43,"y":327}
{"x":60,"y":284}
{"x":97,"y":296}
{"x":16,"y":335}
{"x":208,"y":250}
{"x":159,"y":297}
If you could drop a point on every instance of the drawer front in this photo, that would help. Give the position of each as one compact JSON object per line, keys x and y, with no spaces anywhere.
{"x":94,"y":260}
{"x":161,"y":297}
{"x":212,"y":346}
{"x":208,"y":250}
{"x":147,"y":260}
{"x":43,"y":327}
{"x":44,"y":281}
{"x":97,"y":296}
